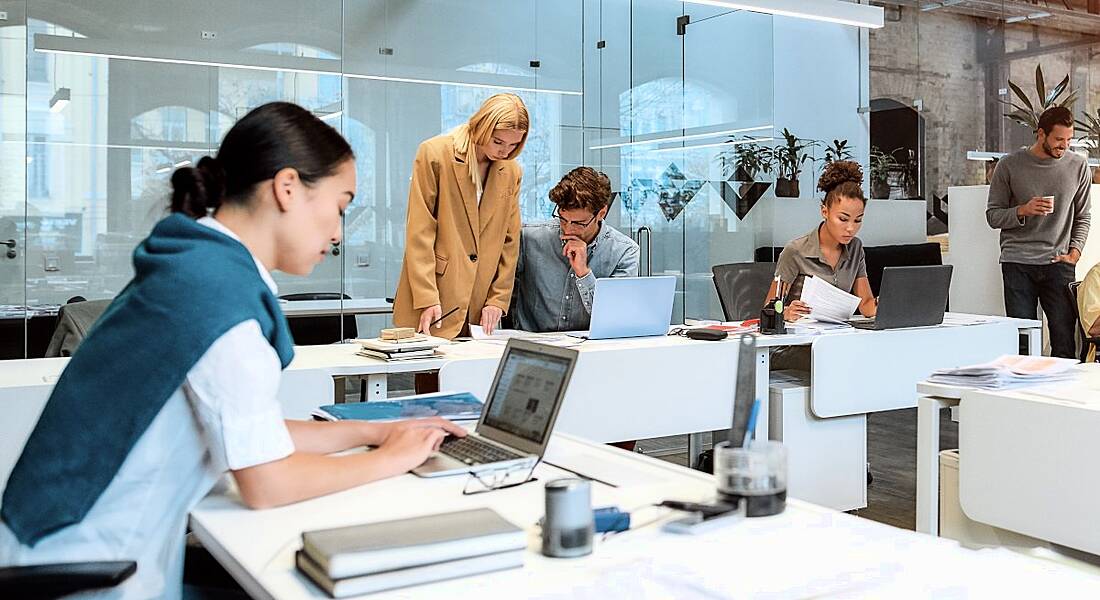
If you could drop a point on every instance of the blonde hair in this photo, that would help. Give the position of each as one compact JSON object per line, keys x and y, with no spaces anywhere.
{"x":500,"y":111}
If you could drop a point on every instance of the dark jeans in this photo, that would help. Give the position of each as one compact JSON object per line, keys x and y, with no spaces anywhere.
{"x":1028,"y":285}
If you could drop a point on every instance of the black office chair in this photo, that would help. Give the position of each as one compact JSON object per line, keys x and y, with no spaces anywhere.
{"x":1086,"y":341}
{"x":901,"y":255}
{"x":767,"y":254}
{"x":742,"y":288}
{"x":61,"y":579}
{"x":313,"y":331}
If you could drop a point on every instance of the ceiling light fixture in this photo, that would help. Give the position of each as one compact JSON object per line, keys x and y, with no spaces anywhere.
{"x":714,"y":145}
{"x":1031,"y":17}
{"x":60,"y":99}
{"x":678,"y":138}
{"x":830,"y":11}
{"x":182,"y":163}
{"x":52,"y":44}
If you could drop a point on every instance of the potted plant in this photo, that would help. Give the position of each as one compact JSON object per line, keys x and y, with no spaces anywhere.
{"x":881,"y":166}
{"x":1027,"y":112}
{"x":1091,"y":125}
{"x":744,"y":163}
{"x":838,"y":150}
{"x":788,"y":163}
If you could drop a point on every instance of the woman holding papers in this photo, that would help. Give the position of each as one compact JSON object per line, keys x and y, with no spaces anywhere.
{"x":831,"y":252}
{"x":177,"y":382}
{"x":462,"y":228}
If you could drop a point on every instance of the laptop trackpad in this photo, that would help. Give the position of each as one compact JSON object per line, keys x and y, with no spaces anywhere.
{"x":438,"y":465}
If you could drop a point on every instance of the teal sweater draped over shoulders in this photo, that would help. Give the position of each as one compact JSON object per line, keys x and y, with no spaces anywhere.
{"x":191,"y":285}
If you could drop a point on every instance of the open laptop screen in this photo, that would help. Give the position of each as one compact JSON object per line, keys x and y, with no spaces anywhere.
{"x":525,"y":397}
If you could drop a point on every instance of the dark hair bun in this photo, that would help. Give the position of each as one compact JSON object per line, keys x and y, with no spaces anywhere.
{"x":839,"y":172}
{"x":198,"y":189}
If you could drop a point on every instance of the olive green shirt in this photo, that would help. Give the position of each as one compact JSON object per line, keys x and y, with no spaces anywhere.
{"x":802,"y":256}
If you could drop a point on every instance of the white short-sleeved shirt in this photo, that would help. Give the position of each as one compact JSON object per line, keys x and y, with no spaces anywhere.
{"x":225,"y":416}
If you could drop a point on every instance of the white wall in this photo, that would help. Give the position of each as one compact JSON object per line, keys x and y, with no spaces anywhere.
{"x":976,"y":285}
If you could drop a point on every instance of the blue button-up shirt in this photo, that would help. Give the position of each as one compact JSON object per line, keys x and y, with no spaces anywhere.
{"x":548,"y":295}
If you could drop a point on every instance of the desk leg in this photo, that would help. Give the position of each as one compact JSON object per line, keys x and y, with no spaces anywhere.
{"x":928,"y":462}
{"x":695,"y":448}
{"x":1034,"y":341}
{"x":377,"y":387}
{"x":763,"y":381}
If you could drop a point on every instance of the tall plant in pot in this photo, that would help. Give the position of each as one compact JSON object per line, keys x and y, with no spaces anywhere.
{"x":838,"y":150}
{"x":1026,"y":112}
{"x":789,"y":158}
{"x":881,"y":166}
{"x":1091,"y":126}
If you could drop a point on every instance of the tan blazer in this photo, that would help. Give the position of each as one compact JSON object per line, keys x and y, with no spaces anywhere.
{"x":457,"y":253}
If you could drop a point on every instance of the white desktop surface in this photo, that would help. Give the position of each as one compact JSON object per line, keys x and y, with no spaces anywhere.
{"x":349,"y":306}
{"x":1027,"y":459}
{"x":805,"y":552}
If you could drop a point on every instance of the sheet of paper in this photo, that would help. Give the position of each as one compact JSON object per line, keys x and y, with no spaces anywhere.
{"x":477,"y":332}
{"x":827,"y":303}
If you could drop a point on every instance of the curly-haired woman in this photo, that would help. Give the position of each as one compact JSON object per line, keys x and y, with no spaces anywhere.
{"x":832,"y":252}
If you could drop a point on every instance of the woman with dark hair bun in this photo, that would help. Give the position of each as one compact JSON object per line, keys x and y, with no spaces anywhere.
{"x":176,"y":384}
{"x":831,"y":252}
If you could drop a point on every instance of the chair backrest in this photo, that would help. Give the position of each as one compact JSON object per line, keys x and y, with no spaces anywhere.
{"x":1082,"y":328}
{"x":767,"y":254}
{"x":313,"y":331}
{"x":73,"y":322}
{"x":901,"y":255}
{"x":742,"y":288}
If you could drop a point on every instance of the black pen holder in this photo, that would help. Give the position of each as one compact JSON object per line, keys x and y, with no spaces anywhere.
{"x":771,"y":318}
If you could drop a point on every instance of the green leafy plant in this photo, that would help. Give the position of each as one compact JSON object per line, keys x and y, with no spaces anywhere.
{"x":1091,"y":124}
{"x":745,"y":161}
{"x":838,"y":150}
{"x":1027,"y":112}
{"x":790,"y":156}
{"x":881,"y":165}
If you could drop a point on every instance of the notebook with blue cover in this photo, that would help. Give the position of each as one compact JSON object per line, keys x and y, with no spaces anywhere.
{"x":456,"y":406}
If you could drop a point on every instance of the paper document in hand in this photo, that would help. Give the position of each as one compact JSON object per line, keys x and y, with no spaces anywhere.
{"x":828,"y":303}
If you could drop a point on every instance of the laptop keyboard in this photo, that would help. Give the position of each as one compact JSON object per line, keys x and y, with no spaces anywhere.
{"x":474,"y":451}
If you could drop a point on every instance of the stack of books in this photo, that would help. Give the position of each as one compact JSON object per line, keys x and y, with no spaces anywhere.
{"x":416,"y":346}
{"x":1007,"y":372}
{"x":362,"y":559}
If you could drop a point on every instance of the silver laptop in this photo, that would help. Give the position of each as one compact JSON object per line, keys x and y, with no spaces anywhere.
{"x":518,"y":416}
{"x":626,"y":307}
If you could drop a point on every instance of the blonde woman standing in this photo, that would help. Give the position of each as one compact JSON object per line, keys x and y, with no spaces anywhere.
{"x":462,"y":228}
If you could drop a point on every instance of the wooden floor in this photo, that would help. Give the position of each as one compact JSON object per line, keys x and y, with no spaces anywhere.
{"x":891,"y":448}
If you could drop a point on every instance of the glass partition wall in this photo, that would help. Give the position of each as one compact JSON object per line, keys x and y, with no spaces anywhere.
{"x":100,"y":101}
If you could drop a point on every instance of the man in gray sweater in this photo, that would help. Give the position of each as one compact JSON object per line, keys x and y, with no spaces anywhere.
{"x":1039,"y":199}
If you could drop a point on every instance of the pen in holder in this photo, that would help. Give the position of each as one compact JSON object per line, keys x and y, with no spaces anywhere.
{"x":771,"y":318}
{"x":756,"y":473}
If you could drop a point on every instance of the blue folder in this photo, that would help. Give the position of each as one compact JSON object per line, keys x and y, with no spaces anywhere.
{"x":457,"y":406}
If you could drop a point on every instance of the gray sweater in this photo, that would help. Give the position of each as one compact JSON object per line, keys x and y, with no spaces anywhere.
{"x":1021,"y":176}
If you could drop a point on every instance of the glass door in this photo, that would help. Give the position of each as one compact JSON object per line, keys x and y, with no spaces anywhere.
{"x":14,"y":167}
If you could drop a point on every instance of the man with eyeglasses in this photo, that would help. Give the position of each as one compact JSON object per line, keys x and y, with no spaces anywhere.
{"x":559,"y":261}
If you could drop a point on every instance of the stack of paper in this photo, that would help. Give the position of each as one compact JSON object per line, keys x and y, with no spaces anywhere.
{"x":1006,"y":372}
{"x":418,"y":346}
{"x":477,"y":332}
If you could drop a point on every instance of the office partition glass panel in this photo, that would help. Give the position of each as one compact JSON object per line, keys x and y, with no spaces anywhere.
{"x":14,"y":166}
{"x":102,"y":101}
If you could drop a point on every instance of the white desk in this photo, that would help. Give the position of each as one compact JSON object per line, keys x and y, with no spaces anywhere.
{"x":1008,"y":438}
{"x":805,"y":552}
{"x":328,"y":308}
{"x":1026,"y":458}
